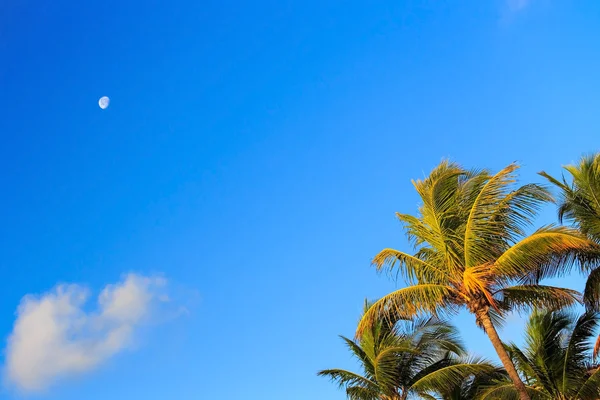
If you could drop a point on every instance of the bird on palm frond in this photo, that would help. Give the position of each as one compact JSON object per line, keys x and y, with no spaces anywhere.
{"x":472,"y":252}
{"x":556,"y":360}
{"x":406,"y":359}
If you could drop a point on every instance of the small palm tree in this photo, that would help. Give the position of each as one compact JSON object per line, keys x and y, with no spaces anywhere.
{"x":406,"y":358}
{"x":557,"y":361}
{"x":579,"y":205}
{"x":472,"y":252}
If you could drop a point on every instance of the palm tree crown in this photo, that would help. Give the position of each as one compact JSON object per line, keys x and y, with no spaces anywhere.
{"x":580,"y":199}
{"x":579,"y":204}
{"x":406,"y":358}
{"x":471,"y":251}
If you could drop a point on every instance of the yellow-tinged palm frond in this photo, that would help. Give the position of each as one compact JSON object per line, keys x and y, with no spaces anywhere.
{"x":413,"y":269}
{"x":408,"y":302}
{"x":548,"y":252}
{"x":480,"y":224}
{"x":518,"y":208}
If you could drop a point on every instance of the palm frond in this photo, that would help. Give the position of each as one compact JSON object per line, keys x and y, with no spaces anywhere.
{"x":407,"y":302}
{"x":347,"y":378}
{"x":524,"y":297}
{"x":481,"y":225}
{"x":580,"y":200}
{"x":578,"y":349}
{"x":591,"y":293}
{"x":549,"y":252}
{"x":412,"y":268}
{"x":590,"y":390}
{"x":365,"y":355}
{"x":449,"y":375}
{"x":362,"y":393}
{"x":507,"y":391}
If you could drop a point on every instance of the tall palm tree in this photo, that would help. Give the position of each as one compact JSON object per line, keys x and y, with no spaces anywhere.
{"x":579,"y":204}
{"x":556,"y":361}
{"x":406,"y":358}
{"x":471,"y":252}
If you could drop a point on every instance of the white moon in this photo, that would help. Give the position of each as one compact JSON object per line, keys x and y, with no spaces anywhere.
{"x":104,"y":102}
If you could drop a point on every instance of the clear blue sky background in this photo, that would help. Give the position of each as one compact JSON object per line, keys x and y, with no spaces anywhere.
{"x":255,"y":152}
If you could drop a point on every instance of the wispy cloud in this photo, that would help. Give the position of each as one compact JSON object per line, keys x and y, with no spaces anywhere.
{"x":55,"y":337}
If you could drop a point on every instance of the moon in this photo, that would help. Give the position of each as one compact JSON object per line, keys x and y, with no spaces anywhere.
{"x":104,"y":102}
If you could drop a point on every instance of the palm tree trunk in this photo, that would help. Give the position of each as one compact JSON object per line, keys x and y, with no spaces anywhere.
{"x":490,"y":330}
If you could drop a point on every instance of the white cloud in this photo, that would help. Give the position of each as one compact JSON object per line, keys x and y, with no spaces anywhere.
{"x":55,"y":337}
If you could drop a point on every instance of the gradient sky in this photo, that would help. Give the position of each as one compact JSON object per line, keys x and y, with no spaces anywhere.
{"x":254,"y":154}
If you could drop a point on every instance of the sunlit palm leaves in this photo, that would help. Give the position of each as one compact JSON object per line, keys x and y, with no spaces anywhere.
{"x":471,"y":251}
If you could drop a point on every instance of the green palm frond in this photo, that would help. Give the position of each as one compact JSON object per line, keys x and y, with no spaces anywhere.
{"x":480,"y":224}
{"x":557,"y":357}
{"x":365,"y":353}
{"x":590,"y":389}
{"x":506,"y":391}
{"x":549,"y":252}
{"x":449,"y":375}
{"x":523,"y":297}
{"x":526,"y":365}
{"x":580,"y":200}
{"x":427,"y":333}
{"x":362,"y":393}
{"x":591,"y":293}
{"x":579,"y":349}
{"x":393,"y":359}
{"x":347,"y":378}
{"x":412,"y":268}
{"x":408,"y":302}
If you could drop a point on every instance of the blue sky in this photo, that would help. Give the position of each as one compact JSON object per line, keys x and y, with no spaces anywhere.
{"x":253,"y":156}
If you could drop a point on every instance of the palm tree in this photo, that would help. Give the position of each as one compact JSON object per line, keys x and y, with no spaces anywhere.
{"x":406,"y":358}
{"x":557,"y":361}
{"x":579,"y":205}
{"x":471,"y":252}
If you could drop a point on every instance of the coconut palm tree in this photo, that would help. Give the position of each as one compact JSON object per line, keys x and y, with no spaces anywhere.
{"x":579,"y":204}
{"x":556,"y":361}
{"x":471,"y":252}
{"x":407,"y":358}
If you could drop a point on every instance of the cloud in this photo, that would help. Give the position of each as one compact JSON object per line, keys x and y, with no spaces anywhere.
{"x":55,"y":337}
